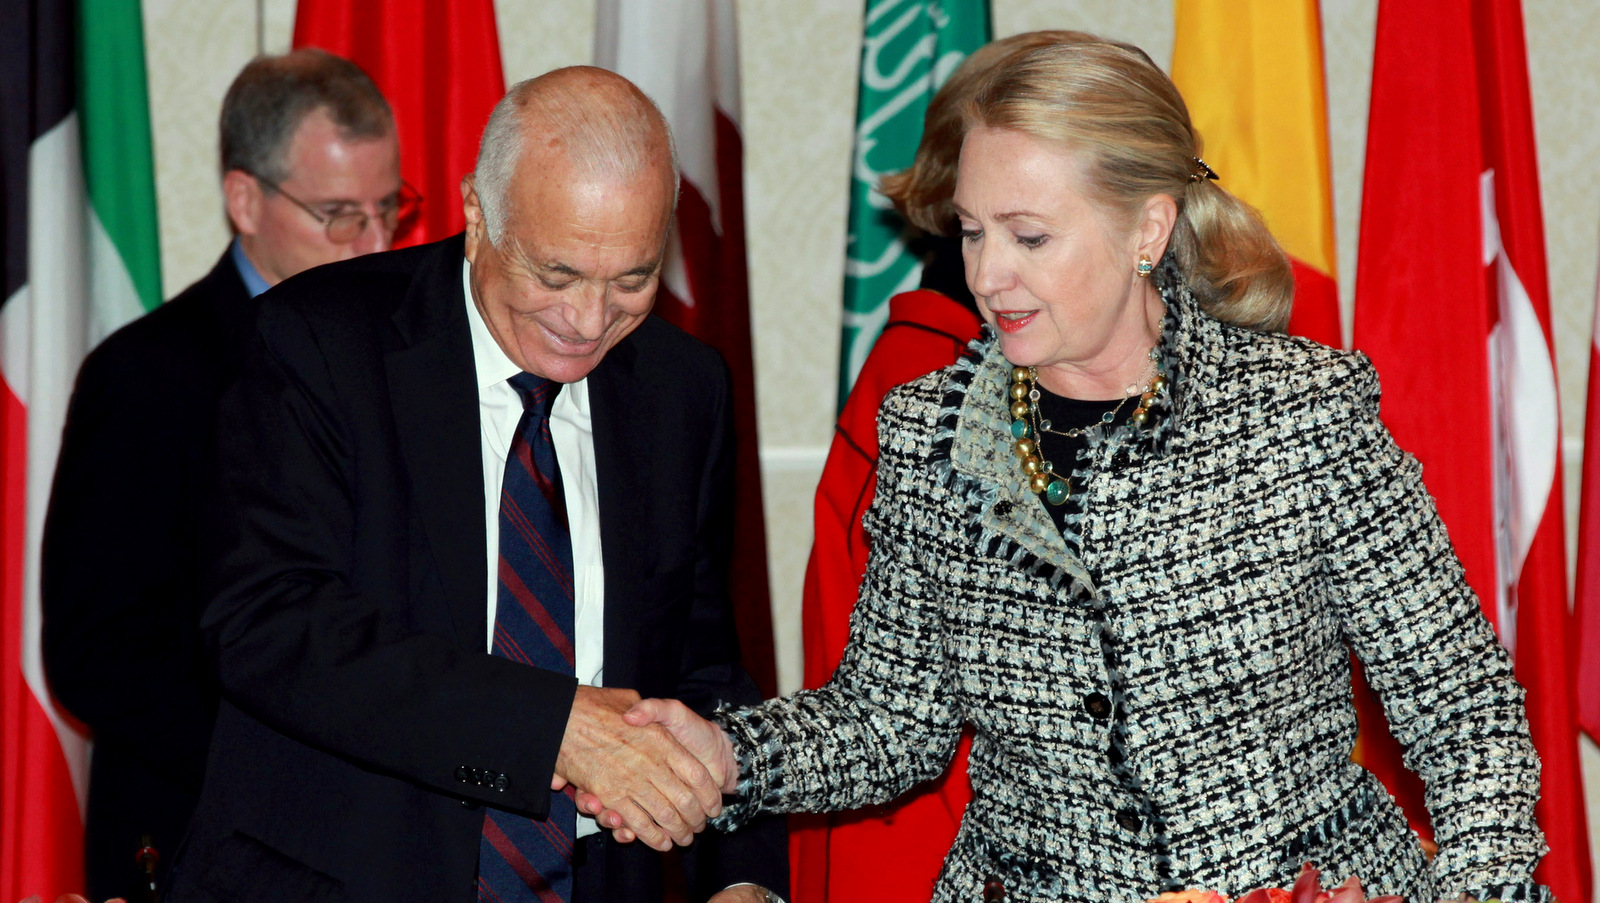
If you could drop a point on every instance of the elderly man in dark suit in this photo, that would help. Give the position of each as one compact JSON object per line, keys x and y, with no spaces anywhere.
{"x":311,"y":174}
{"x":468,"y":490}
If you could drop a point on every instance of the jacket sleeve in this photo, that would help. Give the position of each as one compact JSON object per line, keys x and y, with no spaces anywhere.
{"x":121,"y":607}
{"x":888,"y":719}
{"x":1444,"y":679}
{"x":301,"y":640}
{"x":908,"y":349}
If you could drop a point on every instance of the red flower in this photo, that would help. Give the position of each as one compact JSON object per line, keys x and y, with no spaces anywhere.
{"x":1307,"y":889}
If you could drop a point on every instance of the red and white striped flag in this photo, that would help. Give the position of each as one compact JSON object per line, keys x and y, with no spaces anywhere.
{"x":685,"y":55}
{"x":1452,"y":305}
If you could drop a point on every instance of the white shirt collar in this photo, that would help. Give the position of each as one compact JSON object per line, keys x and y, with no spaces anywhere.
{"x":491,"y":362}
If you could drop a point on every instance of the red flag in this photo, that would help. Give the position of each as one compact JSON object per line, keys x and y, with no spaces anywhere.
{"x":684,"y":55}
{"x":1452,"y":305}
{"x":1586,"y":636}
{"x":439,"y":66}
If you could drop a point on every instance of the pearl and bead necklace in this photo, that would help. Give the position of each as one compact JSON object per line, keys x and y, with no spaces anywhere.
{"x":1023,"y":394}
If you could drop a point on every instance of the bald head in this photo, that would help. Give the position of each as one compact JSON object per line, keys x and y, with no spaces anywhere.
{"x":589,"y":124}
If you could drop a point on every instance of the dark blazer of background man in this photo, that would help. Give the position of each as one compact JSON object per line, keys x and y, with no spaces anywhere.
{"x":349,"y":623}
{"x":122,"y":536}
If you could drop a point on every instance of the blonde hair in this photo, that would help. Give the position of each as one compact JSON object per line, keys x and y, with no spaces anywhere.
{"x":1109,"y":104}
{"x":922,"y":191}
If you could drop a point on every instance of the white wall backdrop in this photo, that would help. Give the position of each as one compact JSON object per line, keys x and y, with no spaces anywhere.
{"x":799,"y":61}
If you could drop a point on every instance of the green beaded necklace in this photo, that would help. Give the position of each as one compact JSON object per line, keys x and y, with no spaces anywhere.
{"x":1023,"y":394}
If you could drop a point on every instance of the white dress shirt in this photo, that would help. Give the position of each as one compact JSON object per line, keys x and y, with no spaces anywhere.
{"x":499,"y":410}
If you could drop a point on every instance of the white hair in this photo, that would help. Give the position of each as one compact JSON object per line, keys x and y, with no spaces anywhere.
{"x":604,"y":131}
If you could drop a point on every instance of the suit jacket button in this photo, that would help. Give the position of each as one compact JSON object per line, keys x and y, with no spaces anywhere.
{"x":994,"y":890}
{"x":1002,"y":508}
{"x":1098,"y":706}
{"x":501,"y":782}
{"x":1129,"y":821}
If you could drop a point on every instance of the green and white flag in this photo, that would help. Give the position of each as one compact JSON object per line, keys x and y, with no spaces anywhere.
{"x":909,"y":50}
{"x":118,"y":165}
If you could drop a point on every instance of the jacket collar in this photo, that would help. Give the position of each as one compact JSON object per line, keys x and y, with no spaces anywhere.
{"x":976,"y":408}
{"x":973,"y":436}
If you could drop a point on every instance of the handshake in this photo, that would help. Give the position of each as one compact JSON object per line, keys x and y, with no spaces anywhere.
{"x":648,"y":769}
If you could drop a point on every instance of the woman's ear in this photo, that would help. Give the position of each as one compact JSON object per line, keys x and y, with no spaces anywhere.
{"x":1156,"y":222}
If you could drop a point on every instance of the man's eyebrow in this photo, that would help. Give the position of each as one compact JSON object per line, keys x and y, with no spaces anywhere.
{"x":352,"y":203}
{"x":562,"y":269}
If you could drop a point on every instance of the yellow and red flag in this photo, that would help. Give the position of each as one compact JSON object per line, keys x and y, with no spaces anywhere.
{"x":1251,"y":73}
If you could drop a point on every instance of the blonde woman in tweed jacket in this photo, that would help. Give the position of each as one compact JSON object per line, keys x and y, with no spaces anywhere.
{"x":1156,"y":667}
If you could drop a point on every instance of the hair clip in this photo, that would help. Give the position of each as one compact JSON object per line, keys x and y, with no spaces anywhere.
{"x":1203,"y":172}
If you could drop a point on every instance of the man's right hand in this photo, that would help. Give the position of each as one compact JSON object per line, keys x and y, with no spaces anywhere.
{"x":661,"y":791}
{"x":701,"y":737}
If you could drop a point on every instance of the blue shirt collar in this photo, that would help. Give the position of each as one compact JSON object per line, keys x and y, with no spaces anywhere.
{"x":253,"y":283}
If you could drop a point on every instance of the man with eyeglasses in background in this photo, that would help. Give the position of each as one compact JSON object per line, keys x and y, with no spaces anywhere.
{"x":311,"y":175}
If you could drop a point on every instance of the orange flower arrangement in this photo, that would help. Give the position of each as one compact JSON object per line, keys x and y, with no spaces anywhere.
{"x":1307,"y":889}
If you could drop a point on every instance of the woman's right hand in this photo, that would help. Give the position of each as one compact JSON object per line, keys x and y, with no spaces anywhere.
{"x":700,"y":737}
{"x":703,"y":739}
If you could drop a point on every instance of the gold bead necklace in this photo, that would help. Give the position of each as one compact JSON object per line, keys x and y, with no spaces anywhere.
{"x":1023,"y":394}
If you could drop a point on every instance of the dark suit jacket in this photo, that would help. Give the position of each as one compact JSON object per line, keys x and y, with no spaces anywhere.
{"x":349,"y":616}
{"x":121,"y":556}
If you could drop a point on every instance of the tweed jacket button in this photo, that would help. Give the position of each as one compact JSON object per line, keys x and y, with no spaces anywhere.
{"x":1002,"y":508}
{"x":1098,"y":706}
{"x":994,"y":890}
{"x":1129,"y":821}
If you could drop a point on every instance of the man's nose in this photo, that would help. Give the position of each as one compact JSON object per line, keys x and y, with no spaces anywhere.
{"x":586,"y":311}
{"x":374,"y":237}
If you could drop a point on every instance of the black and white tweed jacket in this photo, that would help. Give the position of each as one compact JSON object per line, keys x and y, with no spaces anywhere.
{"x":1168,"y":706}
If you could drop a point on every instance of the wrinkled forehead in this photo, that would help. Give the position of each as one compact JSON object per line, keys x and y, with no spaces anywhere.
{"x":598,"y":228}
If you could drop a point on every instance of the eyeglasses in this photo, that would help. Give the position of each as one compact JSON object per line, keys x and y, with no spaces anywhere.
{"x":344,"y":228}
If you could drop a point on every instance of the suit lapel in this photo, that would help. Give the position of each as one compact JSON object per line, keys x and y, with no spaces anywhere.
{"x":622,"y":472}
{"x":434,"y":394}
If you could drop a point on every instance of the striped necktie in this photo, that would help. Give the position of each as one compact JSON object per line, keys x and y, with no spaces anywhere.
{"x":523,"y":859}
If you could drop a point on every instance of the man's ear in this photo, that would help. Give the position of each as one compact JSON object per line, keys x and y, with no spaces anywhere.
{"x":476,"y":229}
{"x":242,"y":196}
{"x":1156,"y":222}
